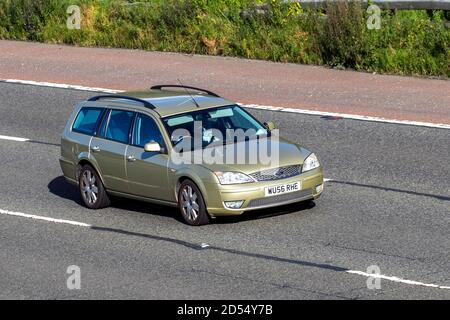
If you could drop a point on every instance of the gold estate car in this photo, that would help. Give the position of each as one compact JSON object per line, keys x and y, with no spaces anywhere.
{"x":128,"y":145}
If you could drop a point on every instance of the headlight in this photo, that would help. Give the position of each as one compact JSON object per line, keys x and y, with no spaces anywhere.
{"x":232,"y":177}
{"x":311,"y":162}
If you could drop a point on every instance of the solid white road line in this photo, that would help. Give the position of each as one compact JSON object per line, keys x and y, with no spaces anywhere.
{"x":349,"y":116}
{"x":13,"y":138}
{"x":397,"y":279}
{"x":60,"y":85}
{"x":254,"y":106}
{"x":30,"y":216}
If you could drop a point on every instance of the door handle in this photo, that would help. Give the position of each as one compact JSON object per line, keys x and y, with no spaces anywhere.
{"x":131,"y":158}
{"x":96,"y":148}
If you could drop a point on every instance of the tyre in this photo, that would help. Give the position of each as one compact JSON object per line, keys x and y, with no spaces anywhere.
{"x":92,"y":190}
{"x":192,"y":206}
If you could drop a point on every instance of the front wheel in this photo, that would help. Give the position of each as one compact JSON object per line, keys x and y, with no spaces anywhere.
{"x":191,"y":204}
{"x":92,"y":190}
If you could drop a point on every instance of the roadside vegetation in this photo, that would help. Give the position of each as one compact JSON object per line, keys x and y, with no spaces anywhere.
{"x":408,"y":42}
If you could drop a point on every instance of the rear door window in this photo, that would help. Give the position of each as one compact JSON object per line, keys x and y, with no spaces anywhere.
{"x":87,"y":120}
{"x":119,"y":125}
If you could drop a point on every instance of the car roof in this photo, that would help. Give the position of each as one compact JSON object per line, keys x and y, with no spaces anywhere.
{"x":167,"y":102}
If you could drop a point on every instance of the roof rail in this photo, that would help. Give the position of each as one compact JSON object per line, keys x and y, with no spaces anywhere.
{"x":159,"y":87}
{"x":116,"y":96}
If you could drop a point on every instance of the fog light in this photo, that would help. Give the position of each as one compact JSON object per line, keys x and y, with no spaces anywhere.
{"x":234,"y":204}
{"x":319,"y":188}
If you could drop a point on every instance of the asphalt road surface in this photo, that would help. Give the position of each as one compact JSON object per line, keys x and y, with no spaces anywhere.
{"x":388,"y":204}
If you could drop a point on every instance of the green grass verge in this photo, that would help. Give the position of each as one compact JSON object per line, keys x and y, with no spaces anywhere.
{"x":409,"y":42}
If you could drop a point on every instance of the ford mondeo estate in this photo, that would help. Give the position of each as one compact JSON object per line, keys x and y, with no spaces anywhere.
{"x":171,"y":145}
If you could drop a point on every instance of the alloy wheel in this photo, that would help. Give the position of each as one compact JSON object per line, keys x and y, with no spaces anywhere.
{"x":89,"y":187}
{"x":189,"y":203}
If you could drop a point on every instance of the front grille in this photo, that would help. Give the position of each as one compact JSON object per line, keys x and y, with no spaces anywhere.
{"x":300,"y":195}
{"x":277,"y":173}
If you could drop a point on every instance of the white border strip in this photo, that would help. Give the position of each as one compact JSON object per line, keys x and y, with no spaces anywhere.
{"x":13,"y":138}
{"x":60,"y":85}
{"x":30,"y":216}
{"x":397,"y":279}
{"x":254,"y":106}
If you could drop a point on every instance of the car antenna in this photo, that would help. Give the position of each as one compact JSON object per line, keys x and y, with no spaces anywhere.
{"x":187,"y":91}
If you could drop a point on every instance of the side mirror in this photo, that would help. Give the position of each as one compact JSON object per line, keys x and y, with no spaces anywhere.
{"x":269,"y":125}
{"x":152,"y":147}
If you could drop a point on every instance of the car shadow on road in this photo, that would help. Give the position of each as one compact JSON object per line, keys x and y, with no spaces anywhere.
{"x":147,"y":208}
{"x":61,"y":188}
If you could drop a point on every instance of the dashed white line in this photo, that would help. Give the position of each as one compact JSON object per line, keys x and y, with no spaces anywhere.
{"x":13,"y":138}
{"x":205,"y":246}
{"x":48,"y":219}
{"x":254,"y":106}
{"x":397,"y":279}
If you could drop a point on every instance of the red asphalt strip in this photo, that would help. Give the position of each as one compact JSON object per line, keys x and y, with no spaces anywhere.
{"x":246,"y":81}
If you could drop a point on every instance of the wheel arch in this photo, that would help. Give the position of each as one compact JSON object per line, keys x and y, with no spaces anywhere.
{"x":196,"y":181}
{"x":84,"y":161}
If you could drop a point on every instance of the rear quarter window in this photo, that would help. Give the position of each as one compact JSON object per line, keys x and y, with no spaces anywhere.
{"x":87,"y":120}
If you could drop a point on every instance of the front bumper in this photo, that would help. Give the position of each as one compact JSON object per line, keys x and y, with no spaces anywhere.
{"x":254,"y":196}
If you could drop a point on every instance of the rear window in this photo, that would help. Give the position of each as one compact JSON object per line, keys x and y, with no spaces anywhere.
{"x":87,"y":120}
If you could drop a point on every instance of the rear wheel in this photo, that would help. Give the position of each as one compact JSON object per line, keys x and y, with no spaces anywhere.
{"x":92,"y":190}
{"x":191,"y":204}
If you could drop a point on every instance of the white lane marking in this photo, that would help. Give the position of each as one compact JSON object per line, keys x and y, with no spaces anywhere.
{"x":326,"y":180}
{"x":30,"y":216}
{"x":60,"y":85}
{"x":13,"y":138}
{"x":397,"y":279}
{"x":350,"y":116}
{"x":254,"y":106}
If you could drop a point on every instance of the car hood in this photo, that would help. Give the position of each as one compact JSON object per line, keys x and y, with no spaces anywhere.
{"x":289,"y":154}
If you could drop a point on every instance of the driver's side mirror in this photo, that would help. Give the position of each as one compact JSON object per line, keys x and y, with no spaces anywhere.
{"x":269,"y":125}
{"x":152,"y":147}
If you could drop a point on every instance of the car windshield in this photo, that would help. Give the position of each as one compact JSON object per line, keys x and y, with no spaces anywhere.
{"x":214,"y":126}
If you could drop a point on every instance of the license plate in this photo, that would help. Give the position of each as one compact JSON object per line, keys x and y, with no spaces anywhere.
{"x":282,"y":188}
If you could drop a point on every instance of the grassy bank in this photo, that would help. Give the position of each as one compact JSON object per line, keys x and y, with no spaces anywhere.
{"x":409,"y":42}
